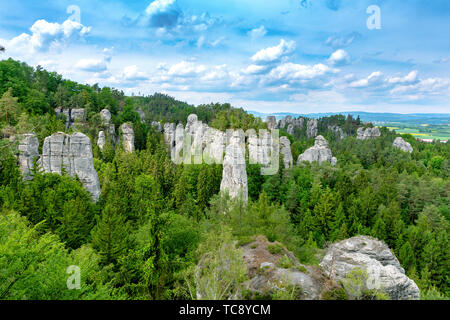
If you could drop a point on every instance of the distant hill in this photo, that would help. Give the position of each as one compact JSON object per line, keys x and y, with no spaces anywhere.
{"x":376,"y":118}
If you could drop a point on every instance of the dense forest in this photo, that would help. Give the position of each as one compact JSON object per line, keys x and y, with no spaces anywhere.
{"x":156,"y":219}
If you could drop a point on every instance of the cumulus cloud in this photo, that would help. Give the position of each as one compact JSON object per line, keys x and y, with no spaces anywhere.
{"x":292,"y":71}
{"x":45,"y":34}
{"x":185,"y":69}
{"x":373,"y":78}
{"x":409,"y":78}
{"x":131,"y":73}
{"x":257,"y":32}
{"x":161,"y":14}
{"x":339,"y":58}
{"x":273,"y":54}
{"x":91,"y":65}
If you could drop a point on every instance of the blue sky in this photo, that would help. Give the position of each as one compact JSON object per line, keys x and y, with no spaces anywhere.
{"x":298,"y":56}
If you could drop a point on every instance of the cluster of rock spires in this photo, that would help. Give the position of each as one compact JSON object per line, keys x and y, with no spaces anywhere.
{"x":319,"y":152}
{"x":288,"y":121}
{"x":384,"y":272}
{"x":74,"y":152}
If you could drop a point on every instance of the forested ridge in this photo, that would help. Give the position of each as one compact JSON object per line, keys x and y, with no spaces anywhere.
{"x":155,"y":220}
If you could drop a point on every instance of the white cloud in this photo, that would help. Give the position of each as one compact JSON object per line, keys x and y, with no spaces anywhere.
{"x":372,"y":79}
{"x":409,"y":78}
{"x":91,"y":65}
{"x":292,"y":71}
{"x":185,"y":69}
{"x":131,"y":73}
{"x":339,"y":57}
{"x":45,"y":34}
{"x":257,"y":32}
{"x":275,"y":53}
{"x":255,"y":69}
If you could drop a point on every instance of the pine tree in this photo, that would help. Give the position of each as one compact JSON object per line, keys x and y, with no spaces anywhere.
{"x":110,"y":234}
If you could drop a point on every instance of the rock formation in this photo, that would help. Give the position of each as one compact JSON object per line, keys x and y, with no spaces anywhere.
{"x":271,"y":122}
{"x":319,"y":152}
{"x":169,"y":135}
{"x":337,"y":131}
{"x":383,"y":268}
{"x":157,"y":126}
{"x":101,"y":140}
{"x":28,"y":152}
{"x":127,"y":137}
{"x":105,"y":116}
{"x":369,"y":133}
{"x":74,"y":154}
{"x":285,"y":150}
{"x":71,"y":115}
{"x":234,"y":174}
{"x":402,"y":145}
{"x":312,"y":128}
{"x":266,"y":274}
{"x":214,"y":142}
{"x":141,"y":114}
{"x":290,"y":129}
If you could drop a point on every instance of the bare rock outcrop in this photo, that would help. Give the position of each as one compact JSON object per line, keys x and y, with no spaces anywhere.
{"x":169,"y":135}
{"x":402,"y":145}
{"x":101,"y":139}
{"x":127,"y":137}
{"x":105,"y":116}
{"x":214,"y":146}
{"x":267,"y":273}
{"x":312,"y":128}
{"x":285,"y":150}
{"x":337,"y":131}
{"x":290,"y":129}
{"x":369,"y":254}
{"x":157,"y":126}
{"x":234,"y":174}
{"x":71,"y":115}
{"x":271,"y":122}
{"x":74,"y":154}
{"x":368,"y":133}
{"x":28,"y":153}
{"x":319,"y":152}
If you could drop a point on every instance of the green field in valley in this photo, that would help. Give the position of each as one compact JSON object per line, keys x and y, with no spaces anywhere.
{"x":423,"y":131}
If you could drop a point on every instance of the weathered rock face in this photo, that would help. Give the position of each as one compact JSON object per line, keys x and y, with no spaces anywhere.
{"x":383,"y":268}
{"x":290,"y":129}
{"x":72,"y":115}
{"x":234,"y":174}
{"x":369,"y":133}
{"x":74,"y":154}
{"x":101,"y":140}
{"x":214,"y":146}
{"x":266,"y":274}
{"x":127,"y":137}
{"x":157,"y":126}
{"x":319,"y":152}
{"x":312,"y":128}
{"x":28,"y":152}
{"x":337,"y":131}
{"x":285,"y":150}
{"x":402,"y":145}
{"x":271,"y":122}
{"x":169,"y":135}
{"x":141,"y":115}
{"x":105,"y":116}
{"x":291,"y":123}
